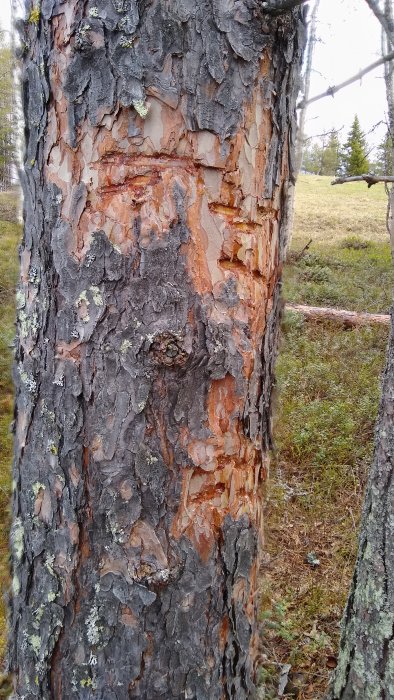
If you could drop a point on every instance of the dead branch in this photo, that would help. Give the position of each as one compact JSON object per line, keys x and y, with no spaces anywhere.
{"x":369,"y":179}
{"x":330,"y":92}
{"x":276,"y":7}
{"x":295,"y":257}
{"x":381,"y":17}
{"x":349,"y":319}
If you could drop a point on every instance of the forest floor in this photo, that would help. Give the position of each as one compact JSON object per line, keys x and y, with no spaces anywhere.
{"x":328,"y":384}
{"x":327,"y":397}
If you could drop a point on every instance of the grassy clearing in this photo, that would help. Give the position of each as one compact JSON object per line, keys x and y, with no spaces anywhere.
{"x":328,"y":392}
{"x":10,"y":233}
{"x":342,"y":275}
{"x":328,"y":214}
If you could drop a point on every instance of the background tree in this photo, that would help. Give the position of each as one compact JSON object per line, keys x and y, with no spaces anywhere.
{"x":7,"y":116}
{"x":312,"y":39}
{"x":331,"y":153}
{"x":354,"y":154}
{"x":384,"y":159}
{"x":312,"y":158}
{"x":158,"y":159}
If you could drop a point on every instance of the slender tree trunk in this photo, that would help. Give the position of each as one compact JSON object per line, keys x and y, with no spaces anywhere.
{"x":307,"y":86}
{"x":387,"y":45}
{"x":300,"y":133}
{"x":157,"y":170}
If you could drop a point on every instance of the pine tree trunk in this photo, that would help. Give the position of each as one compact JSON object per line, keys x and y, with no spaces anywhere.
{"x":157,"y":167}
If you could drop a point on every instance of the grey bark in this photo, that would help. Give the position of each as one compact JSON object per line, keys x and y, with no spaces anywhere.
{"x":388,"y":41}
{"x":307,"y":84}
{"x":118,"y":352}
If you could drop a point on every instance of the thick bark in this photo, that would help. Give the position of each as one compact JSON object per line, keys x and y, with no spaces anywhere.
{"x":157,"y":167}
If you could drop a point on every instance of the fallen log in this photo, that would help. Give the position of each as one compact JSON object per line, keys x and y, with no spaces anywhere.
{"x":348,"y":318}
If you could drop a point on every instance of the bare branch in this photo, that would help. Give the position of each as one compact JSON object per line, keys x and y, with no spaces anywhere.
{"x":369,"y":179}
{"x":348,"y":318}
{"x":330,"y":92}
{"x":382,"y":18}
{"x":276,"y":7}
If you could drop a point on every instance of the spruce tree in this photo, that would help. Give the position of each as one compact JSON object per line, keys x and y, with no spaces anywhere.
{"x":330,"y":160}
{"x":354,"y":155}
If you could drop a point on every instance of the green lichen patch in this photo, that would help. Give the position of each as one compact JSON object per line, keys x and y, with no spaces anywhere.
{"x":35,"y":13}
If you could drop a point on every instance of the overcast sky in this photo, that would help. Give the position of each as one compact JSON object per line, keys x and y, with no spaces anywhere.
{"x":349,"y":39}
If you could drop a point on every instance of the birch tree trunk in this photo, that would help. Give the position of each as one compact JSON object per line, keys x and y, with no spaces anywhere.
{"x":158,"y":159}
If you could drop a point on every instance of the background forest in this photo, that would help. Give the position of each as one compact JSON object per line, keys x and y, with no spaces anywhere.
{"x":327,"y":155}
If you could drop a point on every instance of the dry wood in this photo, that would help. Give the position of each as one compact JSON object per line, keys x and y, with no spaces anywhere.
{"x":330,"y":92}
{"x":348,"y":318}
{"x":383,"y":18}
{"x":369,"y":179}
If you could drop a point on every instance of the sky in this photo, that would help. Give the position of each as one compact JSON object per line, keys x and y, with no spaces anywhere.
{"x":349,"y":39}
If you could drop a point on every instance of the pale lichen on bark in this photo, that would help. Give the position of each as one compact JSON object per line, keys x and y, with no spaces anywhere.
{"x":159,"y":139}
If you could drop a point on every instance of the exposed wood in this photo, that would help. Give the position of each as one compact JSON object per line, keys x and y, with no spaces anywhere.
{"x":368,"y":178}
{"x":332,"y":90}
{"x":348,"y":318}
{"x":158,"y":161}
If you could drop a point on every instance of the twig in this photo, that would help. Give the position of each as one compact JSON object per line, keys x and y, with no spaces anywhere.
{"x":369,"y":179}
{"x":330,"y":92}
{"x":298,"y":256}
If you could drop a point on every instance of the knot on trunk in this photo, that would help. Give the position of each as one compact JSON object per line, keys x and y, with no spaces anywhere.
{"x":168,"y":349}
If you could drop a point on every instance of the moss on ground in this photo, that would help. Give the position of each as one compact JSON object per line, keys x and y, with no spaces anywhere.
{"x":328,"y":385}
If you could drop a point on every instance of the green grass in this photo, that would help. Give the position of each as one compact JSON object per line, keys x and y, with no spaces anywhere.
{"x":328,"y":383}
{"x":10,"y":233}
{"x":355,"y":278}
{"x":330,"y":213}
